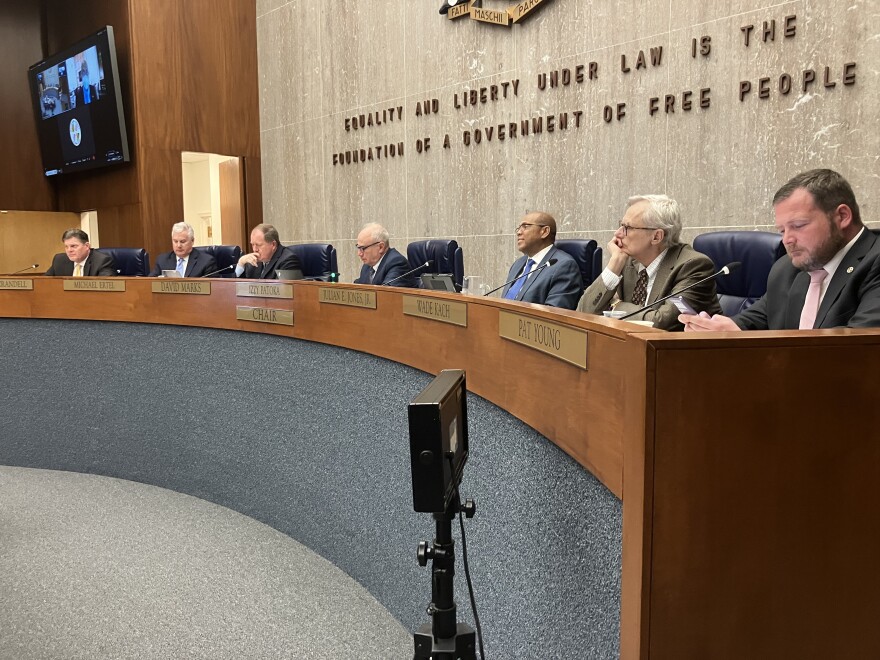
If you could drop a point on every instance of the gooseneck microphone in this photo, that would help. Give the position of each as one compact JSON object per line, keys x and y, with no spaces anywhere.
{"x":727,"y":270}
{"x":24,"y":270}
{"x":229,"y":267}
{"x":427,"y":264}
{"x":549,"y":262}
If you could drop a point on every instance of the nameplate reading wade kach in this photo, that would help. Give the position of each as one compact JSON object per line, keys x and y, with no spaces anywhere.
{"x":95,"y":286}
{"x":352,"y":297}
{"x":17,"y":285}
{"x":445,"y":311}
{"x":264,"y":315}
{"x":264,"y":290}
{"x":172,"y":286}
{"x":568,"y":344}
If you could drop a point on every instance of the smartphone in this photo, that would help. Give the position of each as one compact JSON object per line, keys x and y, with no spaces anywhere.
{"x":683,"y":305}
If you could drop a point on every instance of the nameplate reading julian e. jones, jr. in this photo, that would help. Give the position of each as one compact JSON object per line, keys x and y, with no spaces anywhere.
{"x":16,"y":285}
{"x":352,"y":297}
{"x":445,"y":311}
{"x":172,"y":286}
{"x":264,"y":315}
{"x":96,"y":286}
{"x":568,"y":344}
{"x":264,"y":290}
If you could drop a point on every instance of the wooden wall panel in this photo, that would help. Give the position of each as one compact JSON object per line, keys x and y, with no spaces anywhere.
{"x":32,"y":237}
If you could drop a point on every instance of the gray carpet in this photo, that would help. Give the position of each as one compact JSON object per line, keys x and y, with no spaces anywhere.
{"x":95,"y":567}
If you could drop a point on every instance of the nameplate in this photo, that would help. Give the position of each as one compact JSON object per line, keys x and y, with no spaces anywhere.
{"x":264,"y":315}
{"x":16,"y":285}
{"x":173,"y":286}
{"x":522,"y":9}
{"x":445,"y":311}
{"x":264,"y":290}
{"x":352,"y":297}
{"x":98,"y":286}
{"x":563,"y":343}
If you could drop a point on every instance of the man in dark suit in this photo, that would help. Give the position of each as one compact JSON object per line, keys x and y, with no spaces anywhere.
{"x":646,"y":262}
{"x":831,"y":277}
{"x":268,"y":256}
{"x":183,"y":258}
{"x":79,"y":259}
{"x":382,"y":263}
{"x":559,"y":284}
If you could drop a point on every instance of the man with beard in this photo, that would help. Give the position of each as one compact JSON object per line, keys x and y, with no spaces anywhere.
{"x":831,"y":277}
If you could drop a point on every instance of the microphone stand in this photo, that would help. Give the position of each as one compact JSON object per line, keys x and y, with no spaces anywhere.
{"x":523,"y":274}
{"x":729,"y":268}
{"x":400,"y":277}
{"x":32,"y":267}
{"x":229,"y":267}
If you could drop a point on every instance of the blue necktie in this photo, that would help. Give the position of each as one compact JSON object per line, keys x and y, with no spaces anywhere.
{"x":180,"y":268}
{"x":517,"y":286}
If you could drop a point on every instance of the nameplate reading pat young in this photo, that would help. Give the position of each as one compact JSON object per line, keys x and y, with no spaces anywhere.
{"x":264,"y":315}
{"x":568,"y":344}
{"x":173,"y":286}
{"x":264,"y":290}
{"x":350,"y":297}
{"x":445,"y":311}
{"x":17,"y":284}
{"x":94,"y":285}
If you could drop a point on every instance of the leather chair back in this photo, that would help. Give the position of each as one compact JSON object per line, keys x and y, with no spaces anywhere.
{"x":224,"y":255}
{"x":446,"y":255}
{"x":587,"y":254}
{"x":130,"y":262}
{"x":318,"y":260}
{"x":756,"y":250}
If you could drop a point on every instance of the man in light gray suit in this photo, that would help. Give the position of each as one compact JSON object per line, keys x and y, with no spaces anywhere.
{"x":647,"y":262}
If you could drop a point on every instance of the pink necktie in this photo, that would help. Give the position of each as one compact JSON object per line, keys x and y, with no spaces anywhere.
{"x":811,"y":303}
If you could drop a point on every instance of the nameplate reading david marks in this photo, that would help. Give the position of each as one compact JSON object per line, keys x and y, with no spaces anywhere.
{"x":16,"y":285}
{"x":264,"y":290}
{"x":445,"y":311}
{"x":97,"y":286}
{"x":264,"y":315}
{"x":351,"y":297}
{"x":171,"y":286}
{"x":568,"y":344}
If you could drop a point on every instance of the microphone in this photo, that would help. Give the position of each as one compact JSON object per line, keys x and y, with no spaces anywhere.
{"x":230,"y":266}
{"x":727,"y":270}
{"x":400,"y":277}
{"x":31,"y":267}
{"x":549,"y":262}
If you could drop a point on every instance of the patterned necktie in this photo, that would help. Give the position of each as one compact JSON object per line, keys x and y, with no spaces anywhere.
{"x":78,"y":270}
{"x":811,"y":303}
{"x":180,"y":268}
{"x":517,"y":286}
{"x":640,"y":290}
{"x":372,"y":274}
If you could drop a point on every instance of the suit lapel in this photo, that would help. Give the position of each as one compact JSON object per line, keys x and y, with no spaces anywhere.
{"x":530,"y":280}
{"x":664,"y":272}
{"x":796,"y":299}
{"x":628,"y":280}
{"x":843,"y":274}
{"x":190,"y":263}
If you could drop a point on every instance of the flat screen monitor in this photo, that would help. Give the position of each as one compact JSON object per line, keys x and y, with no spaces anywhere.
{"x":439,"y":282}
{"x":78,"y":106}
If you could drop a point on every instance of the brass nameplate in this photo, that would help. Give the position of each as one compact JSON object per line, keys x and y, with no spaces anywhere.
{"x":264,"y":290}
{"x":521,"y":9}
{"x":98,"y":286}
{"x":174,"y":286}
{"x":352,"y":297}
{"x":490,"y":16}
{"x":264,"y":315}
{"x":17,"y":284}
{"x":564,"y":343}
{"x":459,"y":10}
{"x":445,"y":311}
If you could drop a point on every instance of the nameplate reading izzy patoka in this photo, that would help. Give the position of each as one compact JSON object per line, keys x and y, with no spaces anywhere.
{"x":172,"y":286}
{"x":444,"y":311}
{"x":96,"y":286}
{"x":351,"y":297}
{"x":568,"y":344}
{"x":16,"y":285}
{"x":264,"y":315}
{"x":264,"y":290}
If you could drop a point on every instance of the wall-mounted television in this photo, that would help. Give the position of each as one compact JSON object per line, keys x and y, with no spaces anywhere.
{"x":78,"y":106}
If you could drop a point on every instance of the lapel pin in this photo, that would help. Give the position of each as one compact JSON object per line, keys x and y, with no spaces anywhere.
{"x":849,"y":270}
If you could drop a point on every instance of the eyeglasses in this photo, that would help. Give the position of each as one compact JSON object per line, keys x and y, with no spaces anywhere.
{"x":364,"y":248}
{"x":626,"y":228}
{"x":525,"y":225}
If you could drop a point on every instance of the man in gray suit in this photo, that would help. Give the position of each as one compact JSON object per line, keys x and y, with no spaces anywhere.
{"x":831,"y":277}
{"x":647,"y":262}
{"x":549,"y":276}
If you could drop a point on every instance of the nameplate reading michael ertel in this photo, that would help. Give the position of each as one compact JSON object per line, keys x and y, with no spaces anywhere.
{"x":264,"y":315}
{"x":568,"y":344}
{"x":94,"y":285}
{"x":436,"y":309}
{"x":351,"y":297}
{"x":182,"y":286}
{"x":264,"y":290}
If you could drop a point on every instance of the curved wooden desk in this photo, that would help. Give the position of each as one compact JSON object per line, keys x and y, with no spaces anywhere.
{"x":750,"y":495}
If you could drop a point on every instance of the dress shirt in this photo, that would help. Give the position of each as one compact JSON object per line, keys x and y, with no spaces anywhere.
{"x":611,"y":280}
